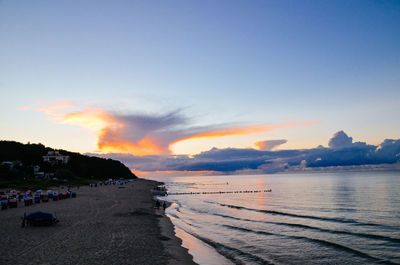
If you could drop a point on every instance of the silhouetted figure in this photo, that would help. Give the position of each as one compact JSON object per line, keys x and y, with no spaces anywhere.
{"x":164,"y":205}
{"x":23,"y":220}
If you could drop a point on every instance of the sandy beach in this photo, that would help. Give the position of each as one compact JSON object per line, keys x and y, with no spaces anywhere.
{"x":105,"y":225}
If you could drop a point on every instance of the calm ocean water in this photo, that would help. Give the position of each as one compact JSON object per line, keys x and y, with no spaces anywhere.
{"x":330,"y":218}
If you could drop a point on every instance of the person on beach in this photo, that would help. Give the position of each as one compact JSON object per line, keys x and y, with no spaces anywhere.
{"x":164,"y":205}
{"x":23,"y":220}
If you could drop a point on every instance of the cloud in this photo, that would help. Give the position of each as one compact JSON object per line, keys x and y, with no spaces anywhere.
{"x":388,"y":151}
{"x":245,"y":130}
{"x":354,"y":156}
{"x":340,"y":140}
{"x":226,"y":160}
{"x":145,"y":134}
{"x":142,"y":142}
{"x":268,"y":145}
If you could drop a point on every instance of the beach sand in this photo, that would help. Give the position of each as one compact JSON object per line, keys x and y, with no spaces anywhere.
{"x":103,"y":225}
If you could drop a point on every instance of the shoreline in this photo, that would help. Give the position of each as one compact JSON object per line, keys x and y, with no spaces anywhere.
{"x":179,"y":254}
{"x":114,"y":224}
{"x":199,"y":251}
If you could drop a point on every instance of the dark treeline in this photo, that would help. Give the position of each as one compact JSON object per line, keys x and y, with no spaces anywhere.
{"x":79,"y":169}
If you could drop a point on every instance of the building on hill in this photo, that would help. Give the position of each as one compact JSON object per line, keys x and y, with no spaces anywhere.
{"x":55,"y":157}
{"x":38,"y":174}
{"x":11,"y":164}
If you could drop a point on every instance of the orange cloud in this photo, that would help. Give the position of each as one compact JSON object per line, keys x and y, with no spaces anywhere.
{"x":175,"y":173}
{"x":103,"y":124}
{"x":268,"y":145}
{"x":146,"y":146}
{"x":93,"y":119}
{"x":245,"y":130}
{"x":55,"y":110}
{"x":143,"y":134}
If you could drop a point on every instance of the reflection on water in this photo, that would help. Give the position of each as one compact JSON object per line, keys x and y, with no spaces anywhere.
{"x":341,"y":218}
{"x":344,"y":193}
{"x":201,"y":252}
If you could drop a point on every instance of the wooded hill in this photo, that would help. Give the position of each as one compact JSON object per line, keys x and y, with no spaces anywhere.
{"x":80,"y":169}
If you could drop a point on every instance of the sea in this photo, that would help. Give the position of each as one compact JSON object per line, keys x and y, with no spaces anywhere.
{"x":313,"y":218}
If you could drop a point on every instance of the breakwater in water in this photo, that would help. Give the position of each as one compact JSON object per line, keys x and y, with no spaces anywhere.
{"x":218,"y":192}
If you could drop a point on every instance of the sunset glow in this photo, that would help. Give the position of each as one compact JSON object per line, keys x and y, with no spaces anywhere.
{"x":175,"y":173}
{"x":115,"y":136}
{"x":146,"y":146}
{"x":245,"y":130}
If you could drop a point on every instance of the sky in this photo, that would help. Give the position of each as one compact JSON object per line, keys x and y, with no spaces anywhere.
{"x":168,"y":78}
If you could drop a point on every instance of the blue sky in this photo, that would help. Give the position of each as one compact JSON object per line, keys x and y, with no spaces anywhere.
{"x":221,"y":64}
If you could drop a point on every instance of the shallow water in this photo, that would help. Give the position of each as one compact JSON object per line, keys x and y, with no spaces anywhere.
{"x":330,"y":218}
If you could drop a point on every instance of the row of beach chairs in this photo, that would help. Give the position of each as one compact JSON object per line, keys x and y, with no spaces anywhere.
{"x":12,"y":200}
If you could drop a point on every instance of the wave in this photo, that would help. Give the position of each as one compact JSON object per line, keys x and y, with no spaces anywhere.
{"x":174,"y":215}
{"x":235,"y":255}
{"x":315,"y":240}
{"x":312,"y":217}
{"x":176,"y":203}
{"x":369,"y":236}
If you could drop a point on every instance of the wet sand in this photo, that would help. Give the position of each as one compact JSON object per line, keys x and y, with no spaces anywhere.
{"x":103,"y":225}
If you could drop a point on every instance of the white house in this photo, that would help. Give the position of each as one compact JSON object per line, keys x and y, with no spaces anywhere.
{"x":55,"y":157}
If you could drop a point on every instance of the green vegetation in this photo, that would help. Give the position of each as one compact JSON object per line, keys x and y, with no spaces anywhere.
{"x":80,"y":169}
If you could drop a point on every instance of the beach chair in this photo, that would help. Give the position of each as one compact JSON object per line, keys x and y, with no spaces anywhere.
{"x":37,"y":198}
{"x":28,"y":201}
{"x":12,"y":203}
{"x":4,"y":204}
